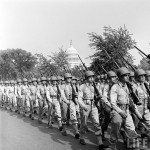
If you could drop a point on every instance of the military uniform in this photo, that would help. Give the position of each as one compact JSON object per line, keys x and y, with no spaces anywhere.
{"x":122,"y":120}
{"x":11,"y":95}
{"x":52,"y":95}
{"x":32,"y":98}
{"x":144,"y":98}
{"x":19,"y":101}
{"x":25,"y":97}
{"x":69,"y":106}
{"x":1,"y":94}
{"x":41,"y":96}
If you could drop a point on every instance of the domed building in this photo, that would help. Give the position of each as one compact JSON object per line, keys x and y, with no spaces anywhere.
{"x":73,"y":58}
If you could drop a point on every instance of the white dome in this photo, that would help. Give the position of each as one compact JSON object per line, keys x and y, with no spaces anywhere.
{"x":71,"y":50}
{"x":73,"y":58}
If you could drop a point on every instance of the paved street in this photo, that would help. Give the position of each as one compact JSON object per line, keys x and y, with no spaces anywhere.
{"x":21,"y":133}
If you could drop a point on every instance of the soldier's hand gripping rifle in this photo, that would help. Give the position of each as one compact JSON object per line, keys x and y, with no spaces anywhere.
{"x":97,"y":95}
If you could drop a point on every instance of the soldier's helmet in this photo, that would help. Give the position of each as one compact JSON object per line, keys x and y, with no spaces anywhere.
{"x":67,"y":75}
{"x":43,"y":79}
{"x":147,"y":72}
{"x":111,"y":74}
{"x":89,"y":74}
{"x":34,"y":79}
{"x":132,"y":74}
{"x":12,"y":81}
{"x":6,"y":82}
{"x":140,"y":72}
{"x":19,"y":81}
{"x":54,"y":78}
{"x":74,"y":78}
{"x":25,"y":80}
{"x":123,"y":71}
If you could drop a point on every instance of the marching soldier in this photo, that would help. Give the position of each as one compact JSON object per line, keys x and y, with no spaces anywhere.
{"x":87,"y":104}
{"x":53,"y":95}
{"x":76,"y":89}
{"x":112,"y":79}
{"x":143,"y":92}
{"x":69,"y":103}
{"x":11,"y":95}
{"x":1,"y":94}
{"x":19,"y":102}
{"x":41,"y":95}
{"x":33,"y":97}
{"x":121,"y":101}
{"x":25,"y":96}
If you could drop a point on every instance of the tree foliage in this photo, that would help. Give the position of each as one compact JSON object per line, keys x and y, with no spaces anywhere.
{"x":116,"y":43}
{"x":15,"y":63}
{"x":52,"y":65}
{"x":144,"y":64}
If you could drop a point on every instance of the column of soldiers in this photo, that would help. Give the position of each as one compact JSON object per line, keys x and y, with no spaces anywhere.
{"x":70,"y":100}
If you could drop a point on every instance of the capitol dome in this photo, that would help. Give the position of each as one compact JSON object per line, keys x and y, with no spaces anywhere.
{"x":73,"y":58}
{"x":71,"y":50}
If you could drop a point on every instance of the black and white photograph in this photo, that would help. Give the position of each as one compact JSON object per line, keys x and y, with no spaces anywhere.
{"x":74,"y":74}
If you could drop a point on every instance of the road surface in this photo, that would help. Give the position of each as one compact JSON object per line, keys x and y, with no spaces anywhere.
{"x":21,"y":133}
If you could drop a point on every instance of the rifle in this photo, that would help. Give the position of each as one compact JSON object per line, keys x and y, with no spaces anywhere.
{"x":148,"y":56}
{"x":104,"y":69}
{"x":111,"y":58}
{"x":82,"y":63}
{"x":133,"y":68}
{"x":148,"y":91}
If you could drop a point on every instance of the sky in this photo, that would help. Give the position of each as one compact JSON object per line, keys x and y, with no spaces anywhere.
{"x":43,"y":26}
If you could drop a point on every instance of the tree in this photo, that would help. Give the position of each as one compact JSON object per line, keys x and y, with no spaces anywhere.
{"x":56,"y":64}
{"x":144,"y":64}
{"x":16,"y":63}
{"x":45,"y":66}
{"x":77,"y":71}
{"x":112,"y":45}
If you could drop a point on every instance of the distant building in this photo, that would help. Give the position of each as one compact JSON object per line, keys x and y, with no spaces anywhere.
{"x":73,"y":58}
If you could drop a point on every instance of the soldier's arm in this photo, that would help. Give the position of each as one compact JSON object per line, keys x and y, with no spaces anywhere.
{"x":113,"y":98}
{"x":63,"y":97}
{"x":80,"y":97}
{"x":105,"y":97}
{"x":38,"y":95}
{"x":48,"y":95}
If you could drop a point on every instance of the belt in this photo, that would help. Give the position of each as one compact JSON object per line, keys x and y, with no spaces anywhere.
{"x":123,"y":106}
